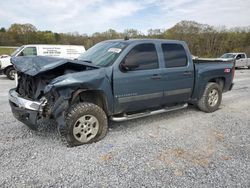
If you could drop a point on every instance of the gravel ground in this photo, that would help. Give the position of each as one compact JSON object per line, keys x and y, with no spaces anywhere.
{"x":185,"y":148}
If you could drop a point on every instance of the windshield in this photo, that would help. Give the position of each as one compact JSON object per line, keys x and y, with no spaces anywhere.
{"x":16,"y":51}
{"x":228,"y":56}
{"x":103,"y":54}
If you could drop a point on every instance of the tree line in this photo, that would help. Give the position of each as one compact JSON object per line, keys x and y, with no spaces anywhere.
{"x":203,"y":40}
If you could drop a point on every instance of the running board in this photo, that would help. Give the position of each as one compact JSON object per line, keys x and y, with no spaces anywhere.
{"x":148,"y":113}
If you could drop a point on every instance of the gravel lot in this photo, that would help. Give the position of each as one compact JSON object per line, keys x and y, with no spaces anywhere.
{"x":186,"y":148}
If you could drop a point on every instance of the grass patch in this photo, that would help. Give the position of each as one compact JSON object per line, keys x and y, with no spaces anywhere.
{"x":7,"y":51}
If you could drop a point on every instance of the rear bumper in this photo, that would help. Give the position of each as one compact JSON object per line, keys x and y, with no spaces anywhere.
{"x":231,"y":86}
{"x":24,"y":110}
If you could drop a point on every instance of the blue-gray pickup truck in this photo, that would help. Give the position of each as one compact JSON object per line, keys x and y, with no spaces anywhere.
{"x":115,"y":80}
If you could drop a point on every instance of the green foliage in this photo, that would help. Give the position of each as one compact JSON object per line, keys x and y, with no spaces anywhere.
{"x":6,"y":51}
{"x":3,"y":30}
{"x":203,"y":40}
{"x":207,"y":41}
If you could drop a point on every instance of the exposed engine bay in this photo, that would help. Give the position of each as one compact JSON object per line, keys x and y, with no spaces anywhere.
{"x":32,"y":79}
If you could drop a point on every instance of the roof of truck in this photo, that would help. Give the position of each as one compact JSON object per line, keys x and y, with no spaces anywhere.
{"x":235,"y":53}
{"x":146,"y":40}
{"x":50,"y":45}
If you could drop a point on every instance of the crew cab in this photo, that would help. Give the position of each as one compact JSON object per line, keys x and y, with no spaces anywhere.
{"x":241,"y":59}
{"x":115,"y":80}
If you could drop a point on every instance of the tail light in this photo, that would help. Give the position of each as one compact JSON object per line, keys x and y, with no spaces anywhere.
{"x":228,"y":70}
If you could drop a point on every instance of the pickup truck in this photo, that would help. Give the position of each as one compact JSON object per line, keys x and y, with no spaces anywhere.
{"x":115,"y":80}
{"x":241,"y":59}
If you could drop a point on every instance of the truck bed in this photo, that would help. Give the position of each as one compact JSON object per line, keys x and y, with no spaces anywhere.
{"x":211,"y":60}
{"x":206,"y":69}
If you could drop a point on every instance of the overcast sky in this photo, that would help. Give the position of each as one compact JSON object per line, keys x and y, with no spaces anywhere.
{"x":89,"y":16}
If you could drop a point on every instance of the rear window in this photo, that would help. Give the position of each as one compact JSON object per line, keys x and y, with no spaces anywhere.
{"x":174,"y":55}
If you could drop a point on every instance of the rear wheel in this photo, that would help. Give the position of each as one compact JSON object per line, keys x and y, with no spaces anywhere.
{"x":211,"y":98}
{"x":10,"y":73}
{"x":85,"y":123}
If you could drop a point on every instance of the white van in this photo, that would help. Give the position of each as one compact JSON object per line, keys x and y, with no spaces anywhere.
{"x":62,"y":51}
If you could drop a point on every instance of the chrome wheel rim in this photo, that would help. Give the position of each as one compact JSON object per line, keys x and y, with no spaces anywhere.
{"x":85,"y":128}
{"x":213,"y":97}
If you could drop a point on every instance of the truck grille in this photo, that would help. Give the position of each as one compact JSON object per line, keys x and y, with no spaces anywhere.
{"x":26,"y":86}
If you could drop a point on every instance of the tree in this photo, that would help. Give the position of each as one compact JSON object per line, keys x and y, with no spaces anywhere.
{"x":22,"y":33}
{"x":203,"y":40}
{"x":3,"y":30}
{"x":133,"y":33}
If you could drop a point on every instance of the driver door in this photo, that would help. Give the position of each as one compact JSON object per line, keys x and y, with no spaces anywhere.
{"x":241,"y":61}
{"x":139,"y":88}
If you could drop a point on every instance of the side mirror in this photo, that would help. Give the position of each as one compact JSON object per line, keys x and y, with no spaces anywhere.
{"x":129,"y":64}
{"x":238,"y":57}
{"x":21,"y":54}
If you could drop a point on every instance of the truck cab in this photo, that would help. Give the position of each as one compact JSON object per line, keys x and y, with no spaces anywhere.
{"x":241,"y":59}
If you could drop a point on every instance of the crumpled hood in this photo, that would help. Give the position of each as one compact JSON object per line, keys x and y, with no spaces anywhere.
{"x":88,"y":79}
{"x":35,"y":65}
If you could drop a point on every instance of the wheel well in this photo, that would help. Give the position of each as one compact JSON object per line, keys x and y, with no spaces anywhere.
{"x":93,"y":96}
{"x":220,"y":81}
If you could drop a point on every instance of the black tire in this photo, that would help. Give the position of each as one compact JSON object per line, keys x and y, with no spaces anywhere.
{"x":83,"y":110}
{"x":204,"y":103}
{"x":9,"y":73}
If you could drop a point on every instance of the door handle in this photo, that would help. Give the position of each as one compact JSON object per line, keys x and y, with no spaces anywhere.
{"x":156,"y":77}
{"x":187,"y":73}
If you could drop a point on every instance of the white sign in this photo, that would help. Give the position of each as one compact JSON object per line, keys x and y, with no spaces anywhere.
{"x":115,"y":50}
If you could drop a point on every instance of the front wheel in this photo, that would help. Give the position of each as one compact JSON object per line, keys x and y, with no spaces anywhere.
{"x":211,"y":98}
{"x":85,"y":123}
{"x":10,"y":73}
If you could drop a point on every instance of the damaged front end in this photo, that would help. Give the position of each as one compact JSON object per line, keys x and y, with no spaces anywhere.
{"x":26,"y":111}
{"x":35,"y":97}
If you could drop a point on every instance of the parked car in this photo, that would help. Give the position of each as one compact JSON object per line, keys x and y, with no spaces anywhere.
{"x":117,"y":80}
{"x":241,"y":59}
{"x":63,"y":51}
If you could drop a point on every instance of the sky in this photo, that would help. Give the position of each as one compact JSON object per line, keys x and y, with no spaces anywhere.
{"x":89,"y":16}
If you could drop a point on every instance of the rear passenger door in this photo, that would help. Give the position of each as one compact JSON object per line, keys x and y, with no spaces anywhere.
{"x":178,"y":74}
{"x":141,"y":87}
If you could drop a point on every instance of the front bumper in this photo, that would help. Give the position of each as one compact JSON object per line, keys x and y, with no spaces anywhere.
{"x":25,"y":110}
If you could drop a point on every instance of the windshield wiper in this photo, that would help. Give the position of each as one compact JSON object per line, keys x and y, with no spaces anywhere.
{"x":87,"y":61}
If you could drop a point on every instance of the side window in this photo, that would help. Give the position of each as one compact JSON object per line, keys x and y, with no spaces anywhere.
{"x":239,"y":56}
{"x":145,"y":55}
{"x":243,"y":56}
{"x":28,"y":51}
{"x":174,"y":55}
